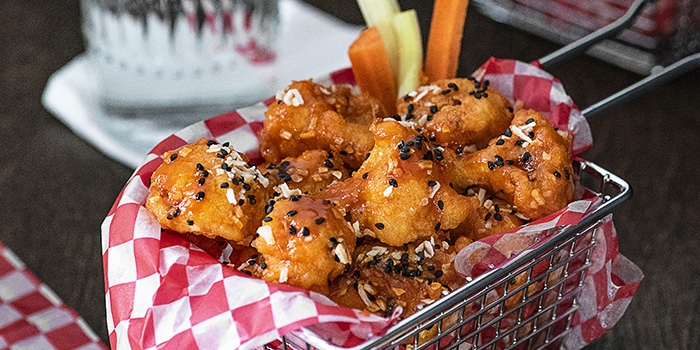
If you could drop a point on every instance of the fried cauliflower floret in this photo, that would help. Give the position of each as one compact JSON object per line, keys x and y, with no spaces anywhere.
{"x":209,"y":190}
{"x":303,"y":242}
{"x":529,"y":166}
{"x":311,"y":116}
{"x":383,"y":277}
{"x":402,"y":191}
{"x":311,"y":172}
{"x":487,"y":216}
{"x":457,"y":113}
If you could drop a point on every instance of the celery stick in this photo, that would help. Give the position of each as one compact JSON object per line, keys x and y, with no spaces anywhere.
{"x":380,"y":13}
{"x":410,"y":51}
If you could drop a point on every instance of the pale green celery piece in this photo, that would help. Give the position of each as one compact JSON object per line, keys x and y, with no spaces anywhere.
{"x":410,"y":51}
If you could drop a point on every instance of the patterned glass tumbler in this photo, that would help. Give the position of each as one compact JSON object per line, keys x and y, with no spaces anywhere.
{"x":180,"y":59}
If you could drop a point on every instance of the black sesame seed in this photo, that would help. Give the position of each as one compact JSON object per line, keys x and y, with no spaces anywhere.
{"x":437,"y":226}
{"x":148,"y":182}
{"x":284,"y":165}
{"x":235,"y":181}
{"x":201,"y":181}
{"x":405,"y":149}
{"x":393,"y":183}
{"x":190,"y":222}
{"x":441,"y":204}
{"x":438,"y":155}
{"x":566,"y":174}
{"x":453,"y":86}
{"x":224,"y":185}
{"x":438,"y":273}
{"x":263,"y":266}
{"x":367,"y":155}
{"x":241,"y":201}
{"x":410,"y":108}
{"x":248,"y":272}
{"x":199,"y":196}
{"x":427,"y":156}
{"x":221,"y":155}
{"x":176,"y":212}
{"x":557,"y":174}
{"x":320,"y":220}
{"x":458,"y":102}
{"x":433,"y":109}
{"x":410,"y":143}
{"x":336,"y":258}
{"x":531,"y":120}
{"x":246,"y":187}
{"x":269,"y":208}
{"x":531,"y":134}
{"x":509,"y":162}
{"x":431,"y":267}
{"x":305,"y":231}
{"x":431,"y":138}
{"x":292,"y":213}
{"x":526,"y":157}
{"x":519,"y":143}
{"x":405,"y":156}
{"x":251,"y":262}
{"x":252,"y":200}
{"x":294,"y":197}
{"x":292,"y":230}
{"x":271,"y":166}
{"x":397,"y":117}
{"x":267,"y":219}
{"x":328,"y":163}
{"x":497,"y":216}
{"x":211,"y":142}
{"x":405,"y":98}
{"x":365,"y":175}
{"x":508,"y":133}
{"x":491,"y":165}
{"x":446,"y":91}
{"x":173,"y":156}
{"x":500,"y":142}
{"x":432,"y":183}
{"x":225,"y":144}
{"x":487,"y":217}
{"x":429,"y":118}
{"x":510,"y":109}
{"x":205,"y":173}
{"x":477,"y":84}
{"x":379,"y":225}
{"x":329,"y":154}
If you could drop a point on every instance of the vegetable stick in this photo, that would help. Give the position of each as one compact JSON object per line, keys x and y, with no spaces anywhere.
{"x":445,"y":38}
{"x":410,"y":51}
{"x":380,"y":14}
{"x":371,"y":67}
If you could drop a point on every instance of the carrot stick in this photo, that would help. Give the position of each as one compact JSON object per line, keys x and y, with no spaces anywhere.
{"x":371,"y":67}
{"x":445,"y":38}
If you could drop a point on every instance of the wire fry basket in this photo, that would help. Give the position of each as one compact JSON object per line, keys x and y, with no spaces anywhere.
{"x":529,"y":302}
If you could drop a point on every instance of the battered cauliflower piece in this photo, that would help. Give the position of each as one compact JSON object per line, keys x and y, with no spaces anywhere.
{"x":402,"y":191}
{"x":303,"y":242}
{"x":412,"y":276}
{"x":311,"y":172}
{"x":457,"y":113}
{"x":529,"y":166}
{"x":210,"y":190}
{"x":487,"y":216}
{"x":311,"y":116}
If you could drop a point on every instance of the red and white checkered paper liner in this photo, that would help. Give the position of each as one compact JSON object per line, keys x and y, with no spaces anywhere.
{"x":162,"y":292}
{"x":33,"y":317}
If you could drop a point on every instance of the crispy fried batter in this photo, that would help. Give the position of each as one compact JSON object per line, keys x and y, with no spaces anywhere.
{"x":458,"y":113}
{"x":402,"y":191}
{"x":529,"y":165}
{"x":311,"y":116}
{"x":304,"y":243}
{"x":311,"y":172}
{"x":383,"y":277}
{"x":190,"y":192}
{"x":487,"y":216}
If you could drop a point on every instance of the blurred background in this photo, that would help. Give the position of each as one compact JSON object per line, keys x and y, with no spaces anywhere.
{"x":56,"y":188}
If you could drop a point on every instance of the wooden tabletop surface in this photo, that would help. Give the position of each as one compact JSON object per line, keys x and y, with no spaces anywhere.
{"x":55,"y":189}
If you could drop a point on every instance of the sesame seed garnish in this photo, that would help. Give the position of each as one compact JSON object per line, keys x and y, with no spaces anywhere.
{"x":294,"y":197}
{"x":446,"y":91}
{"x":509,"y":162}
{"x":432,"y":183}
{"x":433,"y":109}
{"x":292,"y":230}
{"x":491,"y":165}
{"x":510,"y":109}
{"x":487,"y":217}
{"x":246,"y":187}
{"x":500,"y":142}
{"x":205,"y":173}
{"x":531,"y":120}
{"x":263,"y":266}
{"x":438,"y":273}
{"x":405,"y":156}
{"x":199,"y":196}
{"x":441,"y":204}
{"x":497,"y":216}
{"x":201,"y":181}
{"x":267,"y":219}
{"x":241,"y":201}
{"x":438,"y":154}
{"x":305,"y":231}
{"x":531,"y":134}
{"x":437,"y":227}
{"x":458,"y":102}
{"x":224,"y":185}
{"x":405,"y":98}
{"x":410,"y":108}
{"x":453,"y":86}
{"x":379,"y":225}
{"x":429,"y":118}
{"x":557,"y":174}
{"x":393,"y":183}
{"x":526,"y":157}
{"x":397,"y":117}
{"x":173,"y":156}
{"x":329,"y":154}
{"x":431,"y":268}
{"x":176,"y":212}
{"x":292,"y":213}
{"x":367,"y":155}
{"x":211,"y":143}
{"x":365,"y":175}
{"x":190,"y":222}
{"x":566,"y":174}
{"x":508,"y":133}
{"x":319,"y":221}
{"x":269,"y":208}
{"x":328,"y":163}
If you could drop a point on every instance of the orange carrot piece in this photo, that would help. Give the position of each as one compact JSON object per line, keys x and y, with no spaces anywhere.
{"x":371,"y":67}
{"x":445,"y":39}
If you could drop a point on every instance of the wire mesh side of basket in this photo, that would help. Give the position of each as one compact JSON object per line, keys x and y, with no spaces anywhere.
{"x":527,"y":303}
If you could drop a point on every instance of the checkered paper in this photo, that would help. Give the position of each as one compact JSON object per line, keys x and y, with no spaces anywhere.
{"x":162,"y":292}
{"x":33,"y":317}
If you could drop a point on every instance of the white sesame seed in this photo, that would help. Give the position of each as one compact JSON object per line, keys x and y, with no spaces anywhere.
{"x":266,"y":233}
{"x":283,"y":275}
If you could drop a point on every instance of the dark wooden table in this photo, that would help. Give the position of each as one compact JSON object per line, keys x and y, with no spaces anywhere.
{"x":55,"y":189}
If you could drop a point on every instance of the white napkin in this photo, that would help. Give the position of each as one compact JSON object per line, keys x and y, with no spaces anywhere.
{"x":311,"y":43}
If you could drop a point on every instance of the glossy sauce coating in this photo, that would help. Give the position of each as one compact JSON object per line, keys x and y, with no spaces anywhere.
{"x":311,"y":172}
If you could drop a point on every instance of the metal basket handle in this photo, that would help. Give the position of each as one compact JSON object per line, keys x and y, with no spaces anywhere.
{"x":581,"y":45}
